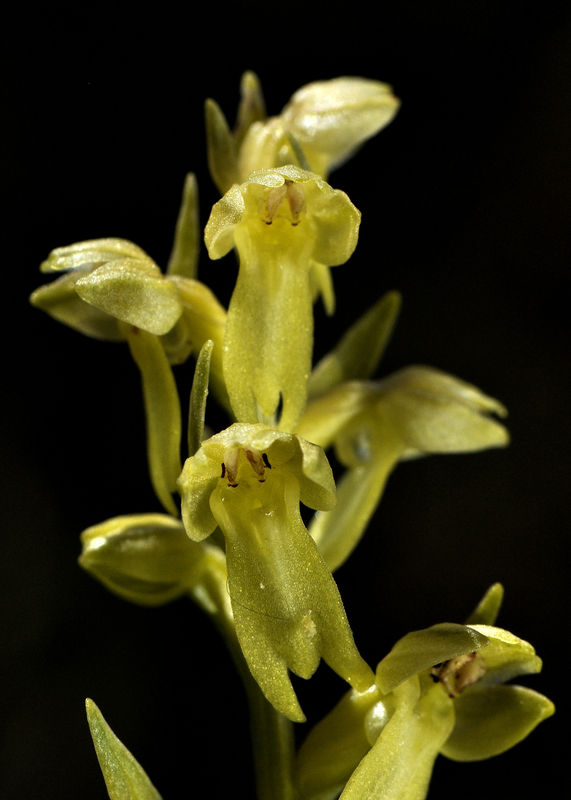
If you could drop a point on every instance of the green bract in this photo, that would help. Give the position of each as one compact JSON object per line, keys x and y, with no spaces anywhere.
{"x":281,"y":222}
{"x":439,"y":690}
{"x":249,"y":480}
{"x":125,"y":779}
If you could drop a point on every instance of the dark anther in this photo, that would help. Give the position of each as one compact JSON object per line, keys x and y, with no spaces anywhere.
{"x":223,"y":470}
{"x":265,"y":460}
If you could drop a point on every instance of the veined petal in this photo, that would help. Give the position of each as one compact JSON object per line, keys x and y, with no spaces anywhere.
{"x":134,"y":292}
{"x":491,"y":719}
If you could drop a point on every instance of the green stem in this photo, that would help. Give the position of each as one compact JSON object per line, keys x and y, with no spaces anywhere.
{"x":271,"y":732}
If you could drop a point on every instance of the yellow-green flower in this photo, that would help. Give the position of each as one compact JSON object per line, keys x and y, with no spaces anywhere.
{"x":374,"y":425}
{"x":320,"y":128}
{"x":439,"y":690}
{"x":282,"y":222}
{"x":249,"y":480}
{"x":111,"y":289}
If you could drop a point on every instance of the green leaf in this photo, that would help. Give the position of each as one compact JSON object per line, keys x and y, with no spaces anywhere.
{"x":358,"y":353}
{"x":491,"y":719}
{"x":162,"y":409}
{"x":198,"y":395}
{"x":184,"y":256}
{"x":421,"y":650}
{"x":488,"y":608}
{"x":221,"y":151}
{"x":124,"y":776}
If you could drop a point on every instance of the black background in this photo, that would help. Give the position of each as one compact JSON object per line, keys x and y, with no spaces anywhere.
{"x":464,"y":202}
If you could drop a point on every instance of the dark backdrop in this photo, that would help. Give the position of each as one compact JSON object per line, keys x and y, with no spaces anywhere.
{"x":464,"y":209}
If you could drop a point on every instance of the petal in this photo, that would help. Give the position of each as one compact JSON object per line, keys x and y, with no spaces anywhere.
{"x":134,"y":292}
{"x":144,"y":558}
{"x":162,"y":411}
{"x":327,"y":415}
{"x":420,"y":650}
{"x":225,"y":215}
{"x":90,"y":253}
{"x":124,"y":777}
{"x":358,"y":353}
{"x":60,"y":300}
{"x":400,"y":763}
{"x":331,"y":118}
{"x":252,"y":107}
{"x":491,"y":719}
{"x":506,"y":655}
{"x":437,"y":413}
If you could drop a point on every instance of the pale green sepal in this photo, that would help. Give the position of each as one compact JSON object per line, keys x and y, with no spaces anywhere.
{"x":326,"y":416}
{"x":358,"y":353}
{"x":134,"y":292}
{"x":437,"y":413}
{"x":184,"y":255}
{"x":334,"y":746}
{"x":506,"y":655}
{"x":488,"y":608}
{"x":90,"y":253}
{"x":491,"y":719}
{"x":226,"y":214}
{"x":332,"y":118}
{"x":198,"y":395}
{"x":124,"y":777}
{"x":400,"y":763}
{"x":287,"y":607}
{"x":252,"y":107}
{"x":421,"y":650}
{"x":60,"y":300}
{"x":337,"y":532}
{"x":162,"y":410}
{"x":221,"y":151}
{"x":145,"y":558}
